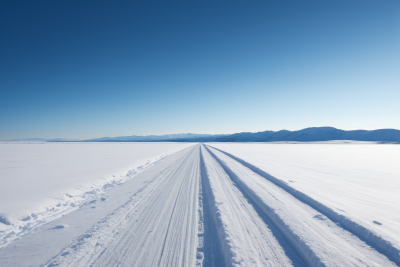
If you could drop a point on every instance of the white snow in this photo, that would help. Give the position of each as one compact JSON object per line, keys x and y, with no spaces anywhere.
{"x":42,"y":181}
{"x":222,"y":204}
{"x":358,"y":182}
{"x":157,"y":226}
{"x":315,"y":238}
{"x":245,"y":237}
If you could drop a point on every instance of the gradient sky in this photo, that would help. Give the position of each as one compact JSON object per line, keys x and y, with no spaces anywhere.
{"x":83,"y":69}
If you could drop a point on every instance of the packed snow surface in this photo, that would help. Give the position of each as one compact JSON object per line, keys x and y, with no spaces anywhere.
{"x":41,"y":181}
{"x":359,"y":182}
{"x":232,"y":205}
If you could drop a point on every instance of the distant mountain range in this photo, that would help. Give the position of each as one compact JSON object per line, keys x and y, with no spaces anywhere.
{"x":152,"y":138}
{"x":40,"y":140}
{"x":305,"y":135}
{"x":132,"y":138}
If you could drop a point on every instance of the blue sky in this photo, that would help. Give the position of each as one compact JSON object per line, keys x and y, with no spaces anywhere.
{"x":83,"y":69}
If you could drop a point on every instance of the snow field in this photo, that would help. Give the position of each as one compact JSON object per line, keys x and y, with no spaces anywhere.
{"x":354,"y":185}
{"x":316,"y":239}
{"x":156,"y":227}
{"x":212,"y":206}
{"x":246,"y":238}
{"x":41,"y":182}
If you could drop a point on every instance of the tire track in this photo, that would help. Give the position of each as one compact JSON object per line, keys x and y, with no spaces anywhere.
{"x":315,"y":238}
{"x":214,"y":249}
{"x":157,"y":227}
{"x":245,"y":238}
{"x":211,"y":209}
{"x":375,"y":241}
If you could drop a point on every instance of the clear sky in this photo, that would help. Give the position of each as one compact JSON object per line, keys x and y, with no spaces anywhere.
{"x":83,"y":69}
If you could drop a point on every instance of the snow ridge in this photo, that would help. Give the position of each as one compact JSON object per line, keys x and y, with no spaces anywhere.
{"x":215,"y":237}
{"x":13,"y":226}
{"x":249,"y":239}
{"x":371,"y":238}
{"x":157,"y":226}
{"x":298,"y":245}
{"x":202,"y":207}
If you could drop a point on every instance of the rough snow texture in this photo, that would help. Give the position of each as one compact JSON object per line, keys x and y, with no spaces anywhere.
{"x":204,"y":206}
{"x":354,"y":185}
{"x":156,"y":227}
{"x":246,"y":238}
{"x":41,"y":182}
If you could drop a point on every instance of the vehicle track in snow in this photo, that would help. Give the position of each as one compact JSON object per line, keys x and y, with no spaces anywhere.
{"x":316,"y":239}
{"x":156,"y":227}
{"x":211,"y":209}
{"x":246,"y":238}
{"x":371,"y":238}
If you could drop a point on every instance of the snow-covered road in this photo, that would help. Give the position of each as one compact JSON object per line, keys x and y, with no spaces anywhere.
{"x":198,"y":207}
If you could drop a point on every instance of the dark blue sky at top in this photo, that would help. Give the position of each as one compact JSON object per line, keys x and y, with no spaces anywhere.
{"x":81,"y":69}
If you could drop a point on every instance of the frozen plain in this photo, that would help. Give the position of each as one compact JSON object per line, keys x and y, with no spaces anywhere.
{"x":223,"y":204}
{"x":42,"y":181}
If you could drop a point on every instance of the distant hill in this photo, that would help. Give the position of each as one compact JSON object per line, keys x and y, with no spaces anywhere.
{"x":153,"y":138}
{"x":39,"y":140}
{"x":305,"y":135}
{"x":312,"y":134}
{"x":132,"y":138}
